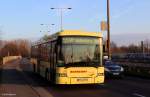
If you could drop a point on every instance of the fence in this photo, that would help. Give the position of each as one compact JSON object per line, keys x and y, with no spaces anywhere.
{"x":138,"y":69}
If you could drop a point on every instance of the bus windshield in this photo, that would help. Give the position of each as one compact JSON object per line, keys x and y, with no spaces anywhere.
{"x":80,"y":51}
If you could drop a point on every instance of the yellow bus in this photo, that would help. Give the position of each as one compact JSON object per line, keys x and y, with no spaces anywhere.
{"x":70,"y":57}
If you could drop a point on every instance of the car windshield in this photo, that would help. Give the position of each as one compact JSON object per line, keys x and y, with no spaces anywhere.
{"x":109,"y":63}
{"x":77,"y":52}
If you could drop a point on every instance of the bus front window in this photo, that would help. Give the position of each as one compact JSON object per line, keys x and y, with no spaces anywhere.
{"x":76,"y":52}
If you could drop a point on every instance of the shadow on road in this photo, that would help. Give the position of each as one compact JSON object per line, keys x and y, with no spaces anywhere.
{"x":13,"y":76}
{"x":26,"y":76}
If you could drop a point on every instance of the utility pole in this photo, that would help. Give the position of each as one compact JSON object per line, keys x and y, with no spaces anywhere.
{"x":108,"y":30}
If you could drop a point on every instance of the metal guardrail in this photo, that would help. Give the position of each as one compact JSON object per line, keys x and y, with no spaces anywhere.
{"x":138,"y":69}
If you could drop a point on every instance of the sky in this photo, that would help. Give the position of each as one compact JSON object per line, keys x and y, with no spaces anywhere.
{"x":22,"y":18}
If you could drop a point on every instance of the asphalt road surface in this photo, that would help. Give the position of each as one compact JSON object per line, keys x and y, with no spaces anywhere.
{"x":17,"y":80}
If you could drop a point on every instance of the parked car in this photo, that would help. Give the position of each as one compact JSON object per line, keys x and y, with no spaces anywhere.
{"x":113,"y":70}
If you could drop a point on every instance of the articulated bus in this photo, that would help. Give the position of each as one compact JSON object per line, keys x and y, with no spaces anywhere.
{"x":70,"y":57}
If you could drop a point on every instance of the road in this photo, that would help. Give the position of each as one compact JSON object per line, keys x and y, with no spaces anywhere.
{"x":17,"y":81}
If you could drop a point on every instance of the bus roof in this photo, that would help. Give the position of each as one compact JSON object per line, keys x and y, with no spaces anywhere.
{"x":78,"y":33}
{"x":70,"y":33}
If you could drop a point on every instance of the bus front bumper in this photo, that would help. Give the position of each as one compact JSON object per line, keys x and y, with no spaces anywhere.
{"x":80,"y":80}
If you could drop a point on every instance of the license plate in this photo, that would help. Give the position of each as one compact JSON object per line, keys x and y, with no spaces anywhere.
{"x":82,"y":79}
{"x":115,"y":73}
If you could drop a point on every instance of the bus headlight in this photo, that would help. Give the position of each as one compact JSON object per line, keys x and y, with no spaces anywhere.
{"x":62,"y":74}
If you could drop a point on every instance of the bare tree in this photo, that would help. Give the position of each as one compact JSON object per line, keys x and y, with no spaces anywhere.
{"x":24,"y":48}
{"x":114,"y":47}
{"x":146,"y":45}
{"x":15,"y":48}
{"x":10,"y":49}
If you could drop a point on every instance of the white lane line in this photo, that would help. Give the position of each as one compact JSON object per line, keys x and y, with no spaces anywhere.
{"x":139,"y":95}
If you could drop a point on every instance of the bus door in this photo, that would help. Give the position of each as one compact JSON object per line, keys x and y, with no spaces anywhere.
{"x":54,"y":61}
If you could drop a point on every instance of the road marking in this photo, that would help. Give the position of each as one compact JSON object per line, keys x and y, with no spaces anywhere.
{"x":139,"y":95}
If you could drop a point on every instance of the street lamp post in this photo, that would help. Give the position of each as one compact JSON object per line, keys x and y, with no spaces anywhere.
{"x":61,"y":15}
{"x":108,"y":30}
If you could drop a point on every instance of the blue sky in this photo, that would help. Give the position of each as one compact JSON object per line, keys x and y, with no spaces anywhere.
{"x":22,"y":18}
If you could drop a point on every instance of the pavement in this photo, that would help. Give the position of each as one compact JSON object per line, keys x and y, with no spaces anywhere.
{"x":18,"y":80}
